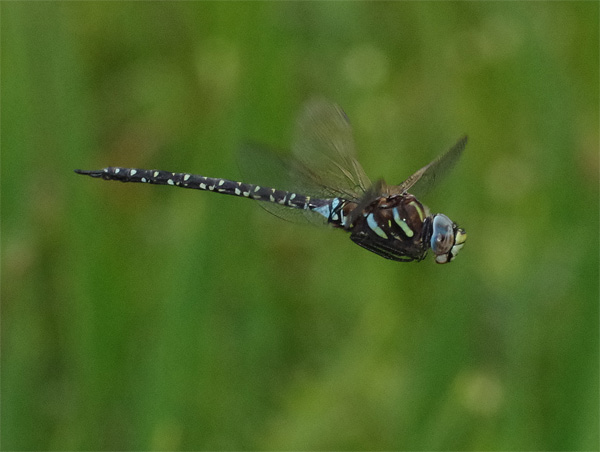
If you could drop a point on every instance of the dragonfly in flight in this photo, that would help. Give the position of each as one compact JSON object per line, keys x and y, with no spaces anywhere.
{"x":331,"y":186}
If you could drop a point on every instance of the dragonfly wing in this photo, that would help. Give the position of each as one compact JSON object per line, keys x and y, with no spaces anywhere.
{"x":421,"y":182}
{"x":264,"y":166}
{"x":324,"y":145}
{"x":323,"y":163}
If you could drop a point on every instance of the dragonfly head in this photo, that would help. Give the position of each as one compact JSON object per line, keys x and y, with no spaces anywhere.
{"x":447,"y":238}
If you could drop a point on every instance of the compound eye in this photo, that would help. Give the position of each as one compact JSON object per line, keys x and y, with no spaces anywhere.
{"x":442,"y":239}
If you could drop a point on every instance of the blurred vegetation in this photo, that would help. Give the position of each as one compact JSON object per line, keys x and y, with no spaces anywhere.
{"x":149,"y":318}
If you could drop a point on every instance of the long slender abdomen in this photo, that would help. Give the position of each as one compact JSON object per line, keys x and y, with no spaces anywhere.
{"x":186,"y":180}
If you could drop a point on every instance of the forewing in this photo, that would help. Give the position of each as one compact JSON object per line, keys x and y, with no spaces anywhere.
{"x":421,"y":182}
{"x":324,"y":146}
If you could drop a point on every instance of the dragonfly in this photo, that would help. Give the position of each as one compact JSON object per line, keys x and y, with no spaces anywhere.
{"x":325,"y":182}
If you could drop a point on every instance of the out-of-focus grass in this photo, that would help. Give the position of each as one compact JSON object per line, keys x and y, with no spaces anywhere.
{"x":140,"y":317}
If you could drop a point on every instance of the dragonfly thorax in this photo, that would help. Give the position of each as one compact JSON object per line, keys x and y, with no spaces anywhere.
{"x":393,"y":227}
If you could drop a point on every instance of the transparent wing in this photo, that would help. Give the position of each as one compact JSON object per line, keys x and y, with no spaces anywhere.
{"x":267,"y":167}
{"x":324,"y":146}
{"x":322,"y":165}
{"x":421,"y":182}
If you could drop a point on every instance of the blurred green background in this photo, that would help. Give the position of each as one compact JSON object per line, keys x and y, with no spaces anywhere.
{"x":149,"y":318}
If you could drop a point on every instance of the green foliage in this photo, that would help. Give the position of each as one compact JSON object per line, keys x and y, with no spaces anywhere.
{"x":150,"y":318}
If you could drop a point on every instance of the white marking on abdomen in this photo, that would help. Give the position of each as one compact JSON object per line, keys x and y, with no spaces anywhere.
{"x":323,"y":210}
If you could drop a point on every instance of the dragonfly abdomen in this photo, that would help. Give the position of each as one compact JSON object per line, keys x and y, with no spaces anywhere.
{"x":197,"y":182}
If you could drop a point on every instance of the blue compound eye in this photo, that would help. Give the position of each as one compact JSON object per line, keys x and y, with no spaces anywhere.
{"x":442,"y":238}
